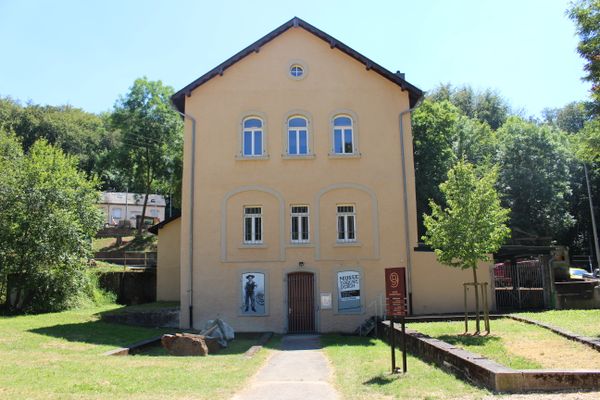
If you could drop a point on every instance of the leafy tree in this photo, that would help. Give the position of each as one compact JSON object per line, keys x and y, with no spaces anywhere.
{"x":434,"y":127}
{"x":586,"y":15}
{"x":570,"y":118}
{"x":78,"y":133}
{"x":151,"y":137}
{"x":486,"y":106}
{"x":534,"y":176}
{"x":588,"y":142}
{"x":471,"y":225}
{"x":442,"y":135}
{"x":49,"y":215}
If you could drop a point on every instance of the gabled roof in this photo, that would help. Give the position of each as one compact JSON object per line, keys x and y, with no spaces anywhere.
{"x":154,"y":228}
{"x":415,"y":93}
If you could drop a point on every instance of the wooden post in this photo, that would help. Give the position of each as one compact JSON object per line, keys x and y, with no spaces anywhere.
{"x":466,"y":311}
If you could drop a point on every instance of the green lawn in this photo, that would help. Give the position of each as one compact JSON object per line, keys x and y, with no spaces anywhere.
{"x":59,"y":356}
{"x":516,"y":344}
{"x":583,"y":322}
{"x":362,"y":371}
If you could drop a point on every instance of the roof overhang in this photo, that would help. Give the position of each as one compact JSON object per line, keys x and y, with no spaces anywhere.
{"x":414,"y":93}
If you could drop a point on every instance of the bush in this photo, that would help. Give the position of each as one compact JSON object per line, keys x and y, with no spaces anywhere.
{"x":48,"y":216}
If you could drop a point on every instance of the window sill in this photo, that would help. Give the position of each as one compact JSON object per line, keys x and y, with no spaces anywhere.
{"x":251,"y":158}
{"x":293,"y":245}
{"x":297,"y":156}
{"x":253,"y":246}
{"x":347,"y":244}
{"x":351,"y":155}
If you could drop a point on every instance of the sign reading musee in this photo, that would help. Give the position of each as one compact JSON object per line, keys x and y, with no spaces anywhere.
{"x":395,"y":291}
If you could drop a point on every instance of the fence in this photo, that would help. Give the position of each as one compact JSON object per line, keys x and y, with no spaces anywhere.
{"x":128,"y":258}
{"x":522,"y":284}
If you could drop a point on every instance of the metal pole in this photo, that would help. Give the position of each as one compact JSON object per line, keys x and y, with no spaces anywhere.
{"x":595,"y":232}
{"x":393,"y":343}
{"x":403,"y":345}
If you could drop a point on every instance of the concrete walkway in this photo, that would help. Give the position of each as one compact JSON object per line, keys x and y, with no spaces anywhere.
{"x":299,"y":371}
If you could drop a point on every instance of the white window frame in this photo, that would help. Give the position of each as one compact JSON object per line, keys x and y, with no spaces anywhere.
{"x":301,"y":228}
{"x":344,"y":129}
{"x":252,"y":216}
{"x":297,"y":130}
{"x":253,"y":132}
{"x":113,"y":216}
{"x":344,"y":215}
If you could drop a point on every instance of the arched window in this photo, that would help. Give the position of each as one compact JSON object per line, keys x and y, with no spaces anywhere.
{"x":297,"y":128}
{"x":343,"y":135}
{"x":252,"y":137}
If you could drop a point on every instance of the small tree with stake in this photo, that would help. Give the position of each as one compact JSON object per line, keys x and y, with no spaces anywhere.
{"x":471,"y":226}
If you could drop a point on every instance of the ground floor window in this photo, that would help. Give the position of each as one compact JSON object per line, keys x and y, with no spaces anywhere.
{"x":252,"y":225}
{"x":346,"y":225}
{"x":300,"y":224}
{"x":253,"y":293}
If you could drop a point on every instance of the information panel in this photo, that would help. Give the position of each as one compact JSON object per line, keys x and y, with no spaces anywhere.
{"x":395,"y":291}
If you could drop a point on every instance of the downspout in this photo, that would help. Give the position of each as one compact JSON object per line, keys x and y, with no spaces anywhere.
{"x":405,"y":206}
{"x":191,"y":241}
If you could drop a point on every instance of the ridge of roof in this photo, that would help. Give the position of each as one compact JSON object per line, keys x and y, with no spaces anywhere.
{"x":178,"y":99}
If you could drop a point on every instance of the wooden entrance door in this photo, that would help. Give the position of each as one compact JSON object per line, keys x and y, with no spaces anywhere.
{"x":301,"y":302}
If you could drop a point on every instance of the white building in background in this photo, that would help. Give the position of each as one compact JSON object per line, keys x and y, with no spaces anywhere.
{"x":119,"y":206}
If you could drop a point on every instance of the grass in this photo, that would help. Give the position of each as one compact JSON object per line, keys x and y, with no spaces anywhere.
{"x":130,"y":243}
{"x":59,"y":356}
{"x":362,"y":371}
{"x":516,"y":345}
{"x":155,"y":306}
{"x":583,"y":322}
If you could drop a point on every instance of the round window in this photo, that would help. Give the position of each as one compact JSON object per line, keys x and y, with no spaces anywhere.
{"x":296,"y":71}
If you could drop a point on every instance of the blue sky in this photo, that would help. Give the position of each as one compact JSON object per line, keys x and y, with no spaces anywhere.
{"x":87,"y":53}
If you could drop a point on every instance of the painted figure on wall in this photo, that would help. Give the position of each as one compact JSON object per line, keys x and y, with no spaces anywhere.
{"x":253,"y":293}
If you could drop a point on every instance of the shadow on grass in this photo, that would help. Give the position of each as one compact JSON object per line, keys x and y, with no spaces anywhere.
{"x":99,"y":333}
{"x":381,"y":380}
{"x":241,"y":344}
{"x":331,"y":340}
{"x":468,"y":340}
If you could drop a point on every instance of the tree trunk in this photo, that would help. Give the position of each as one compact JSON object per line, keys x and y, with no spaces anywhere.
{"x":141,"y":225}
{"x":477,"y":324}
{"x":148,"y":185}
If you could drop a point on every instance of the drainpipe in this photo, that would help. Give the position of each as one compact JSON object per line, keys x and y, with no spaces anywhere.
{"x":405,"y":206}
{"x":191,"y":241}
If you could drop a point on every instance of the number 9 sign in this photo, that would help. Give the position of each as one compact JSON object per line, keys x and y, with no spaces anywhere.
{"x":394,"y":279}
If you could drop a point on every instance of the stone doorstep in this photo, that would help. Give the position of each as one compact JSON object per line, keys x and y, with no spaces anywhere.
{"x":588,"y":341}
{"x":490,"y":374}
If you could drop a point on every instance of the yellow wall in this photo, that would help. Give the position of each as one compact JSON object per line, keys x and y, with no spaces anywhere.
{"x":167,"y":273}
{"x":260,"y":85}
{"x":438,"y":289}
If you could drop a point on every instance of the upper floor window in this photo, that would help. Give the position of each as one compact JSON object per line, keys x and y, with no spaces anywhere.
{"x":252,"y":225}
{"x":343,"y":135}
{"x":297,"y":128}
{"x":346,"y":225}
{"x":300,"y":224}
{"x":296,"y":70}
{"x":252,"y":137}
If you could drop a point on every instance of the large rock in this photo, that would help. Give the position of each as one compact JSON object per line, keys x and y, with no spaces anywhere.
{"x":185,"y":344}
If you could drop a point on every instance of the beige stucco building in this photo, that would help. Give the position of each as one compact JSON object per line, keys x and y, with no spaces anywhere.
{"x":298,"y":191}
{"x":119,"y":206}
